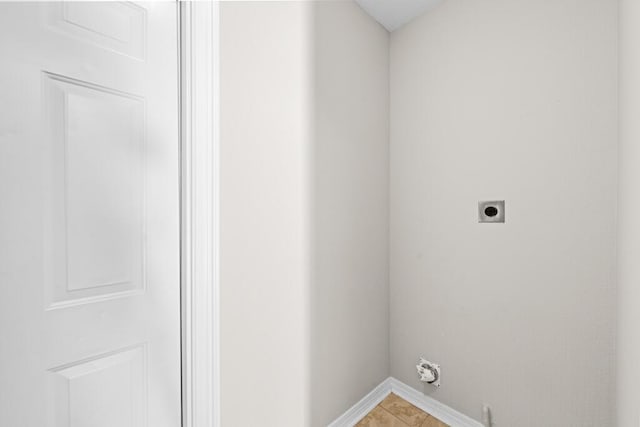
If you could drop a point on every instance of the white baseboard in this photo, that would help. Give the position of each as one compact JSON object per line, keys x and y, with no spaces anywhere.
{"x":364,"y":406}
{"x":391,"y":385}
{"x":428,"y":404}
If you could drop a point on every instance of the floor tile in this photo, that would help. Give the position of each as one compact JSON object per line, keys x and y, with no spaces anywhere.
{"x":379,"y":417}
{"x":404,"y":410}
{"x":433,"y":422}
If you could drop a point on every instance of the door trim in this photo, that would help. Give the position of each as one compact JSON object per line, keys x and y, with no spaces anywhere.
{"x":199,"y":152}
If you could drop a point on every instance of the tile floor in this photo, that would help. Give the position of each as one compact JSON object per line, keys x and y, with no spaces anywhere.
{"x":394,"y":411}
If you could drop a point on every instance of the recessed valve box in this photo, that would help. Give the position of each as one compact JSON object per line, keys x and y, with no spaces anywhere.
{"x":429,"y":372}
{"x":492,"y":211}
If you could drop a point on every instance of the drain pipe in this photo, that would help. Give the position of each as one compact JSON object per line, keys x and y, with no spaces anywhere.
{"x":486,"y":416}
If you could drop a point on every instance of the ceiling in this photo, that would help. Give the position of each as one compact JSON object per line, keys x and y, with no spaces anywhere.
{"x":393,"y":14}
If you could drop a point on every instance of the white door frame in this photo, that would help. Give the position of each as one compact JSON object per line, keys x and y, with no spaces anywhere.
{"x":199,"y":130}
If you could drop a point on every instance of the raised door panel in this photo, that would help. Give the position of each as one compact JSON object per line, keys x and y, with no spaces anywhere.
{"x":109,"y":390}
{"x":117,"y":26}
{"x":95,"y":213}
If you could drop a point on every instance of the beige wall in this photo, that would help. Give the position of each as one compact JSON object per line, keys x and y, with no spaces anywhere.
{"x":265,"y":233}
{"x":498,"y":99}
{"x":349,"y":297}
{"x":515,"y":100}
{"x":628,"y":394}
{"x":304,"y":211}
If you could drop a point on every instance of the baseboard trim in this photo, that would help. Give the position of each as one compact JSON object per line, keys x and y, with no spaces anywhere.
{"x":391,"y":385}
{"x":364,"y":406}
{"x":428,"y":404}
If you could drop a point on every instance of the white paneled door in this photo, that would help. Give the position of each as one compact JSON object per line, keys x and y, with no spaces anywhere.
{"x":89,"y":215}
